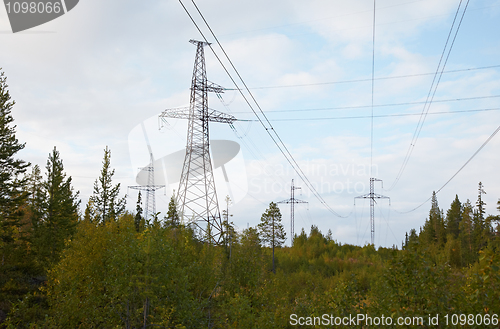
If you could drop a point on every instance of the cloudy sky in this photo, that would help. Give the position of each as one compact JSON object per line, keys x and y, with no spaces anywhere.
{"x":102,"y":73}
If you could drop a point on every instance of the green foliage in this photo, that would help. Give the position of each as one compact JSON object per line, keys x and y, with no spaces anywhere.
{"x":59,"y":210}
{"x":172,"y":218}
{"x":104,"y":204}
{"x":453,"y":218}
{"x":113,"y":276}
{"x":271,"y":231}
{"x":16,"y":261}
{"x":138,"y":220}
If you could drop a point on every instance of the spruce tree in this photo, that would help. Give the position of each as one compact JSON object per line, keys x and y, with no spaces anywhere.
{"x":138,"y":220}
{"x":172,"y":218}
{"x":454,"y":217}
{"x":60,"y":208}
{"x":36,"y":196}
{"x":12,"y":186}
{"x":106,"y":204}
{"x":480,"y":228}
{"x":433,"y":230}
{"x":271,"y":231}
{"x":465,"y":235}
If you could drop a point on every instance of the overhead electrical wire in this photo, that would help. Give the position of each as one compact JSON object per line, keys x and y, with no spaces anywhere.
{"x":369,"y":79}
{"x":268,"y":127}
{"x":373,"y":87}
{"x":432,"y":91}
{"x":384,"y":115}
{"x":377,"y":105}
{"x":457,"y":172}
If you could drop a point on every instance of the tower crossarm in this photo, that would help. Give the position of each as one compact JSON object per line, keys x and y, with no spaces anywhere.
{"x":214,"y":88}
{"x":372,"y":196}
{"x":216,"y":116}
{"x":176,"y":113}
{"x":288,"y":201}
{"x":184,"y":113}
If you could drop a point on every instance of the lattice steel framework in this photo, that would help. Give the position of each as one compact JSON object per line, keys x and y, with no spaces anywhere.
{"x":292,"y":201}
{"x":197,"y":198}
{"x":372,"y":196}
{"x":151,"y":188}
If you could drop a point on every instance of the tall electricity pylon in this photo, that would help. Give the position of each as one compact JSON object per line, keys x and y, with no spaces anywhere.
{"x":197,"y":198}
{"x":292,"y":201}
{"x":372,"y":196}
{"x":151,"y":188}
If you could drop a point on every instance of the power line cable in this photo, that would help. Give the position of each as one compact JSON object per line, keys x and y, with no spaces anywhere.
{"x":373,"y":87}
{"x":269,"y":128}
{"x":458,"y":171}
{"x":384,"y":115}
{"x":432,"y":91}
{"x":369,"y":79}
{"x":377,"y":105}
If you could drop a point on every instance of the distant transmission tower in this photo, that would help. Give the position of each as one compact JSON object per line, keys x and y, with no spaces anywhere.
{"x":196,"y":196}
{"x":151,"y":188}
{"x":372,"y":196}
{"x":292,"y":201}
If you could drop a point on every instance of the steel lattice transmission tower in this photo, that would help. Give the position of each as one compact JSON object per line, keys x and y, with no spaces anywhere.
{"x":150,"y":188}
{"x":197,"y":198}
{"x":292,"y":201}
{"x":372,"y":196}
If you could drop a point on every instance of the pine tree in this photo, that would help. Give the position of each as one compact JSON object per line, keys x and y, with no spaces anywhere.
{"x":106,"y":204}
{"x":12,"y":186}
{"x":271,"y":230}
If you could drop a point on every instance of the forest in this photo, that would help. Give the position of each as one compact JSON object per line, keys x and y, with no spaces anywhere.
{"x":64,"y":265}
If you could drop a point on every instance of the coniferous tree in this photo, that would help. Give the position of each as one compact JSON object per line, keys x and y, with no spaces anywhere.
{"x":15,"y":262}
{"x":271,"y":231}
{"x":36,"y":196}
{"x":138,"y":221}
{"x":480,"y":229}
{"x":12,"y":185}
{"x":172,"y":218}
{"x":60,"y":209}
{"x":454,"y":217}
{"x":465,"y":235}
{"x":433,"y":230}
{"x":106,"y":204}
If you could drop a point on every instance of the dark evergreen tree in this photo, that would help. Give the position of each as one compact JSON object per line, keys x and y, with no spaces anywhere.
{"x":433,"y":230}
{"x":13,"y":194}
{"x":454,"y":217}
{"x":16,"y":261}
{"x":480,"y":227}
{"x":106,"y":203}
{"x":465,"y":235}
{"x":60,"y":209}
{"x":36,"y":196}
{"x":271,"y":231}
{"x":138,"y":220}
